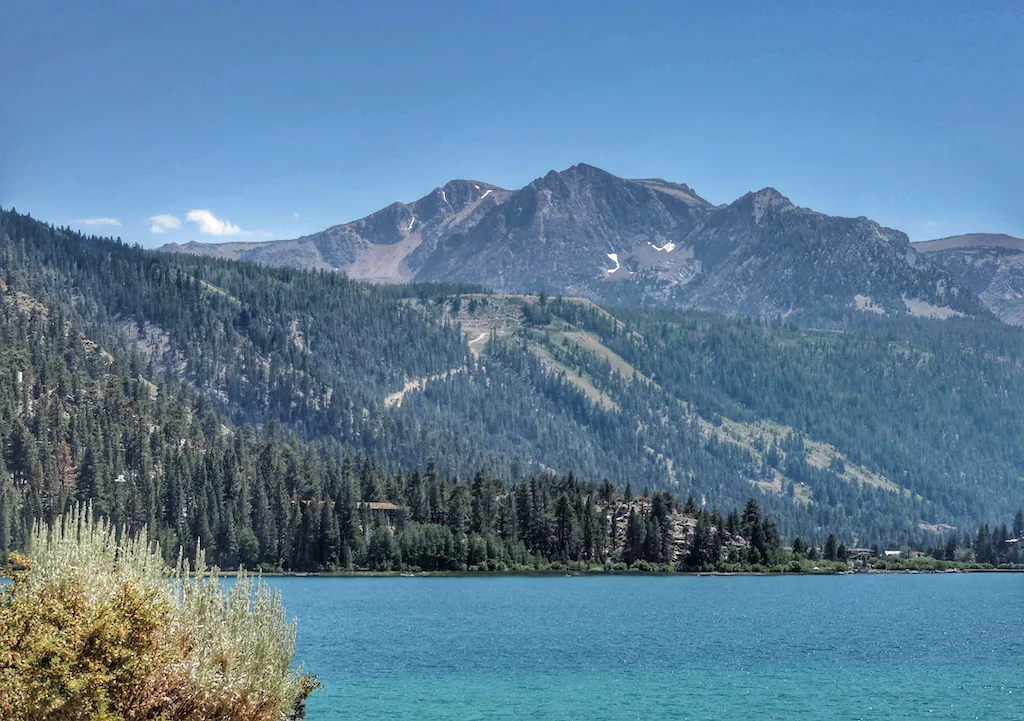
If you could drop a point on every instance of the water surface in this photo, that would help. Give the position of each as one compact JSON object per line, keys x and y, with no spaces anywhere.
{"x":847,"y":647}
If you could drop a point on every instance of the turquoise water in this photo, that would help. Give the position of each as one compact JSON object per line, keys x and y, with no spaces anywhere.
{"x":849,"y":647}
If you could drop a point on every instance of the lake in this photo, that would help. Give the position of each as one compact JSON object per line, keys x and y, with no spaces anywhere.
{"x":622,"y":647}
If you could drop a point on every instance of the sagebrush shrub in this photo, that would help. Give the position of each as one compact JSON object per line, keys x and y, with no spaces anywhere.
{"x":94,"y":626}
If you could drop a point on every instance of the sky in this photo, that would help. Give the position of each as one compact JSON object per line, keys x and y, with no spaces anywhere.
{"x":175,"y":121}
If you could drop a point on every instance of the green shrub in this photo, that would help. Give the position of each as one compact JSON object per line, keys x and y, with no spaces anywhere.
{"x":97,"y":628}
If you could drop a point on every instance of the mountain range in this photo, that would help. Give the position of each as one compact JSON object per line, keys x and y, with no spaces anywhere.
{"x":894,"y":428}
{"x":649,"y":242}
{"x":992,"y":265}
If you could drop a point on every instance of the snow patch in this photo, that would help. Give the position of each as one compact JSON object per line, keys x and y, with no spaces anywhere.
{"x":614,"y":257}
{"x":444,"y":197}
{"x":667,"y":248}
{"x":412,"y":221}
{"x":485,"y":194}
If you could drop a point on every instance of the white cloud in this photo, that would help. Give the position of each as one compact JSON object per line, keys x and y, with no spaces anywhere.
{"x":99,"y":221}
{"x":163,"y":223}
{"x":210,"y":224}
{"x":296,"y":215}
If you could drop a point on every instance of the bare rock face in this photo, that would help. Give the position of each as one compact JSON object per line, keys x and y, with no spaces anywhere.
{"x":992,"y":265}
{"x":764,"y":256}
{"x":586,"y":232}
{"x":385,"y":247}
{"x":570,"y":232}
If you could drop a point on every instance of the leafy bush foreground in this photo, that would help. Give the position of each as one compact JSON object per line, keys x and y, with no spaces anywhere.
{"x":96,"y":627}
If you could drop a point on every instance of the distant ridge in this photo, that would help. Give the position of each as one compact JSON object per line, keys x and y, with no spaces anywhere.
{"x":651,"y":242}
{"x":991,"y":264}
{"x":971,"y":240}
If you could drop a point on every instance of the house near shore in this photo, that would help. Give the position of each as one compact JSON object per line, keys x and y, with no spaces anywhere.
{"x":381,"y":512}
{"x":859,"y":555}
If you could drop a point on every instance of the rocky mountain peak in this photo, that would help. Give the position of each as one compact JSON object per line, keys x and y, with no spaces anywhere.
{"x":576,"y":177}
{"x":589,"y":171}
{"x":764,"y":201}
{"x":450,"y":199}
{"x":388,"y":225}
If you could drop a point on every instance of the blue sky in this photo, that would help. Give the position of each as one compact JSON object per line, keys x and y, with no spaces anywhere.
{"x":263,"y":120}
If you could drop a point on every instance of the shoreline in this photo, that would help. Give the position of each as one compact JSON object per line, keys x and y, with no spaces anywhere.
{"x":563,"y":574}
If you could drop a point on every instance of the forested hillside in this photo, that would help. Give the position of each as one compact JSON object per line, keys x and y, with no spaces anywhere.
{"x":314,"y":351}
{"x":78,"y":425}
{"x":321,"y":355}
{"x":885,"y":431}
{"x":920,"y":416}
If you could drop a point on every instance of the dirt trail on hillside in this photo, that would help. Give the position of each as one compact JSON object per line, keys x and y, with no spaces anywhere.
{"x":393,"y":400}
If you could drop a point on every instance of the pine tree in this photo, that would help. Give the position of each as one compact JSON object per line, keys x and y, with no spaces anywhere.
{"x":831,"y":548}
{"x":480,"y":504}
{"x":703,"y":553}
{"x":590,"y":530}
{"x":983,"y":545}
{"x":636,"y":533}
{"x":8,"y":541}
{"x":950,"y":550}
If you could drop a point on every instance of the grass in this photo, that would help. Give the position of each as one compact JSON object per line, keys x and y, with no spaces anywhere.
{"x":592,"y":343}
{"x":592,"y":393}
{"x":95,"y":626}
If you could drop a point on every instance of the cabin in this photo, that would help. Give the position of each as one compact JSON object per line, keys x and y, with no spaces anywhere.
{"x":382,"y":511}
{"x":859,"y":555}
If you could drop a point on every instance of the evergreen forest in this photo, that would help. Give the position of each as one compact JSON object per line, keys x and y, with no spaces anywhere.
{"x":251,"y":411}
